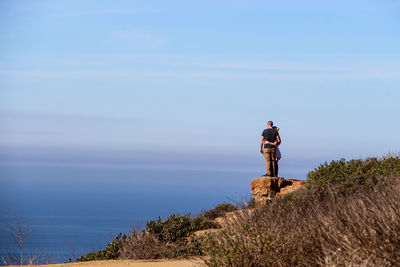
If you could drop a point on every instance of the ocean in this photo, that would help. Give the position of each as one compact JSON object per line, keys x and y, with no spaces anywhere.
{"x":75,"y":210}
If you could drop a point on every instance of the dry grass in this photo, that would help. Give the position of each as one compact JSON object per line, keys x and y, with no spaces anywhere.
{"x":15,"y":259}
{"x":315,"y":228}
{"x":142,"y":245}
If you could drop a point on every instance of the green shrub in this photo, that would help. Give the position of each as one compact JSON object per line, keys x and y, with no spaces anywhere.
{"x":176,"y":227}
{"x":202,"y":223}
{"x":353,"y":172}
{"x":219,"y":210}
{"x":110,"y":253}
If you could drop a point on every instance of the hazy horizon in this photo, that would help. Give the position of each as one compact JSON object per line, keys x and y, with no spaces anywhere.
{"x":194,"y":81}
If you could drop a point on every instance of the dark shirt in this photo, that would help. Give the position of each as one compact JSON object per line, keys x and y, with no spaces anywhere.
{"x":270,"y":135}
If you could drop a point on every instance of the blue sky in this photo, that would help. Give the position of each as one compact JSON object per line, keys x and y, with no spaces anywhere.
{"x":192,"y":84}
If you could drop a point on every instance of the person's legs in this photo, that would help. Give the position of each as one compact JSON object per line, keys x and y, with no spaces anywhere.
{"x":268,"y":161}
{"x":276,"y":168}
{"x":273,"y":162}
{"x":266,"y":156}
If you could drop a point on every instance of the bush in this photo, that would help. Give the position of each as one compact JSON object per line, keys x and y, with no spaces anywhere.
{"x":353,"y":172}
{"x":315,"y":228}
{"x":202,"y":223}
{"x":219,"y":211}
{"x":172,"y":229}
{"x":176,"y":227}
{"x":110,"y":253}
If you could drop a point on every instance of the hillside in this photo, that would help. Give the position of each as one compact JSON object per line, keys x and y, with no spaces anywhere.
{"x":346,"y":213}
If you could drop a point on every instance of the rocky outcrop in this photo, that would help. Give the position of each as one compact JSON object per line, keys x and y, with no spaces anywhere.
{"x":263,"y":189}
{"x":266,"y":188}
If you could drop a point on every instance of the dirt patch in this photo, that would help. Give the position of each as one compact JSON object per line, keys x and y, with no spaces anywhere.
{"x":195,"y":262}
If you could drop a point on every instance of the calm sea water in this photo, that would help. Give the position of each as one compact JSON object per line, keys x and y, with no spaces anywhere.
{"x":76,"y":210}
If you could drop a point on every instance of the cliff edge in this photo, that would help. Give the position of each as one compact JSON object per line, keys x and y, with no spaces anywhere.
{"x":266,"y":188}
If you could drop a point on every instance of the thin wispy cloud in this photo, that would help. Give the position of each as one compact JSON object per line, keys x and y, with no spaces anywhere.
{"x":260,"y":73}
{"x":109,"y":11}
{"x":18,"y":115}
{"x":92,"y":65}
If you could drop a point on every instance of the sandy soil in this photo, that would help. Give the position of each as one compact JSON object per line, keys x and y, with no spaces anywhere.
{"x":133,"y":263}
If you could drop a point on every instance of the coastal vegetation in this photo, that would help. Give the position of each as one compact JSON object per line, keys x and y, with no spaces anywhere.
{"x":347,"y":214}
{"x":169,"y":238}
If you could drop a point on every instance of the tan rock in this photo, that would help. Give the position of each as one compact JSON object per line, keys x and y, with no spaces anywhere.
{"x":266,"y":188}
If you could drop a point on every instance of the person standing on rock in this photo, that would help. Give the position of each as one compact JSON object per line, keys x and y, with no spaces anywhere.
{"x":278,"y":155}
{"x":269,"y":140}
